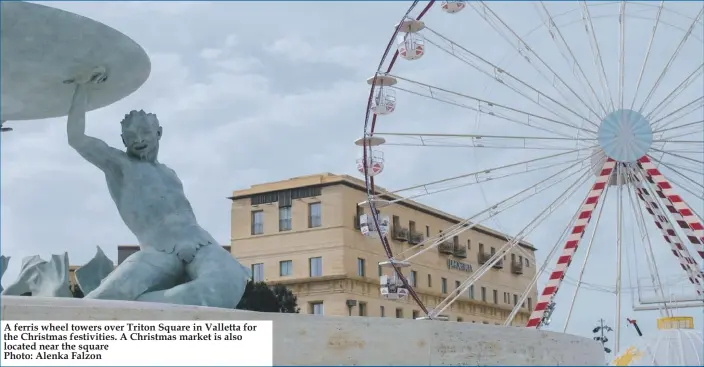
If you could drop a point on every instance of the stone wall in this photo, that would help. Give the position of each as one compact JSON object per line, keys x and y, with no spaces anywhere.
{"x":308,"y":340}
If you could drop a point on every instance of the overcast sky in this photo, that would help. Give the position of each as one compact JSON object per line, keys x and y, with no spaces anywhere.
{"x":255,"y":92}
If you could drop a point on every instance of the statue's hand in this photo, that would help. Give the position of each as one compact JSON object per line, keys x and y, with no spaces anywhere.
{"x":96,"y":76}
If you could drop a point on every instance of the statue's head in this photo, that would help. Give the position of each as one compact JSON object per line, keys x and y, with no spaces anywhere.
{"x":140,"y":134}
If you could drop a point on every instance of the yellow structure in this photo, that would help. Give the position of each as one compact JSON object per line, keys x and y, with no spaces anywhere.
{"x":304,"y":233}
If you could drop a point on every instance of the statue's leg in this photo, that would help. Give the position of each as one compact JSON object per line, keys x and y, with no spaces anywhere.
{"x":144,"y":271}
{"x":217,"y":280}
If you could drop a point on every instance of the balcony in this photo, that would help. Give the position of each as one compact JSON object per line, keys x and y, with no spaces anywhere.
{"x":446,"y":247}
{"x":483,"y":257}
{"x":499,"y":265}
{"x":415,"y":238}
{"x":460,"y":251}
{"x":400,"y":234}
{"x":517,"y":268}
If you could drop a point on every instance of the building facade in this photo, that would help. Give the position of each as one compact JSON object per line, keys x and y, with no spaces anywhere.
{"x":304,"y":233}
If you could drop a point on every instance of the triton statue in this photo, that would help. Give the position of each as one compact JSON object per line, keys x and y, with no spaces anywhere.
{"x":179,"y":261}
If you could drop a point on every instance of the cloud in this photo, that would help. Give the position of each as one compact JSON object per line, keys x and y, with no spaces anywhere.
{"x":294,"y":48}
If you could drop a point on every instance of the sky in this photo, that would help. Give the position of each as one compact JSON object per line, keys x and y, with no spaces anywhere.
{"x":251,"y":92}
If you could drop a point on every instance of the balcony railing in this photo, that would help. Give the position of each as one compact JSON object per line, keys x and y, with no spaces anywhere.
{"x":400,"y":234}
{"x":460,"y":251}
{"x":415,"y":238}
{"x":499,"y":265}
{"x":517,"y":268}
{"x":446,"y":247}
{"x":483,"y":257}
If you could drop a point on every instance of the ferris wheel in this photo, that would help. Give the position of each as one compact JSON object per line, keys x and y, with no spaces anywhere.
{"x":576,"y":124}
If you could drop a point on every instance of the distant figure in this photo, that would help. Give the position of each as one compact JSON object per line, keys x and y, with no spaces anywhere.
{"x":179,"y":261}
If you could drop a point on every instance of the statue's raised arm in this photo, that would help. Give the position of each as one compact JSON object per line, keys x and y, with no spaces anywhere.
{"x":92,"y":149}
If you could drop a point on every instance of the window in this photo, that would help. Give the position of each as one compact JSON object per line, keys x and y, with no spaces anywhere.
{"x":430,"y":281}
{"x":315,"y":217}
{"x":361,"y":267}
{"x":457,"y":284}
{"x":520,"y":259}
{"x":493,"y":251}
{"x":257,"y":222}
{"x":285,"y":218}
{"x":527,"y":263}
{"x":513,"y":258}
{"x":507,"y":298}
{"x":316,"y":266}
{"x":469,"y":244}
{"x":382,"y":311}
{"x":515,"y":299}
{"x":412,"y":277}
{"x":285,"y":268}
{"x":258,"y":272}
{"x":483,"y":294}
{"x":416,"y":314}
{"x":362,"y":309}
{"x":470,"y":291}
{"x":399,"y":313}
{"x":481,"y":247}
{"x":427,"y":231}
{"x":443,"y":285}
{"x":380,"y":270}
{"x":530,"y":304}
{"x":316,"y":308}
{"x":396,"y":221}
{"x":412,"y":226}
{"x":496,"y":296}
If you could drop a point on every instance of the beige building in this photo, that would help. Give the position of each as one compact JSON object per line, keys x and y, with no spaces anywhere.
{"x":304,"y":233}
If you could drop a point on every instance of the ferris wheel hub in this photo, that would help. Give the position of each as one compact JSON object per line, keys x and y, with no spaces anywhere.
{"x":625,"y":135}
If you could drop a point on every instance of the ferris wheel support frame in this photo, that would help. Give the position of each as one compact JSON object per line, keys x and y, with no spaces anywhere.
{"x":578,"y":229}
{"x":687,"y":262}
{"x":683,"y":215}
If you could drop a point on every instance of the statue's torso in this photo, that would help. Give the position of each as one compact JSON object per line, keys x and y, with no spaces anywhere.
{"x":150,"y":199}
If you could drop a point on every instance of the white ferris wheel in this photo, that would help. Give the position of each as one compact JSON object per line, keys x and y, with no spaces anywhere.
{"x":579,"y":125}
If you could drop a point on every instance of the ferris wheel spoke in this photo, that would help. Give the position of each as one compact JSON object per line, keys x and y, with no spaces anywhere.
{"x":484,"y":141}
{"x":508,"y":246}
{"x":503,"y":77}
{"x":647,"y":52}
{"x":584,"y":263}
{"x":585,"y":214}
{"x":482,"y":174}
{"x":687,"y":218}
{"x":540,"y":272}
{"x":621,"y":76}
{"x":679,"y":156}
{"x":672,"y":59}
{"x":689,"y":108}
{"x":487,"y":109}
{"x":670,"y":165}
{"x":596,"y":53}
{"x":490,"y":212}
{"x":677,"y":91}
{"x":476,"y":180}
{"x":561,"y":44}
{"x":490,"y":105}
{"x":487,"y":12}
{"x":698,"y":124}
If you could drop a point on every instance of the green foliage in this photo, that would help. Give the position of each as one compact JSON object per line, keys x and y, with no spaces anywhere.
{"x":263,"y":298}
